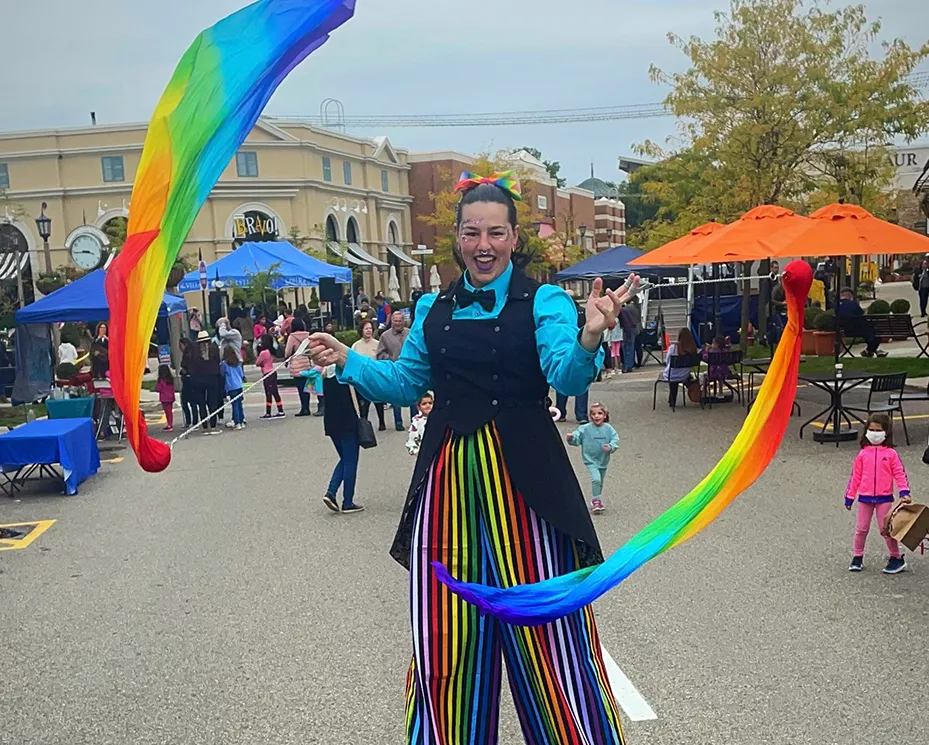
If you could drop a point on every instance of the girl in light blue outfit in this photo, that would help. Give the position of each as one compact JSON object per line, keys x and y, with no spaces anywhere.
{"x":597,"y":440}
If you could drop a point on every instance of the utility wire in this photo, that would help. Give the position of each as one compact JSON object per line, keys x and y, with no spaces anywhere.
{"x":512,"y":118}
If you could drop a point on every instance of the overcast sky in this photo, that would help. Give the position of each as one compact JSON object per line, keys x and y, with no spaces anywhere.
{"x":394,"y":57}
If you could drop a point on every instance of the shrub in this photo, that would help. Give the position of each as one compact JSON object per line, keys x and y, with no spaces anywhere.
{"x":879,"y":308}
{"x":66,"y":371}
{"x":400,"y":305}
{"x":810,"y":315}
{"x":825,"y":321}
{"x":347,"y":337}
{"x":900,"y":305}
{"x":71,"y":333}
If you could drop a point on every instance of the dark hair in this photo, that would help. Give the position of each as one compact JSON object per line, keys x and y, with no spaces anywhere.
{"x":102,"y":324}
{"x":425,"y":397}
{"x":495,"y":195}
{"x":686,"y":344}
{"x":297,"y":325}
{"x":886,"y":424}
{"x":165,"y":375}
{"x":366,"y":322}
{"x":231,"y":357}
{"x":266,"y":342}
{"x":720,"y":341}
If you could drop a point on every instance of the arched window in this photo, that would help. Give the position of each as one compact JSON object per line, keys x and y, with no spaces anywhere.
{"x":351,"y":231}
{"x":393,"y":238}
{"x":332,"y":230}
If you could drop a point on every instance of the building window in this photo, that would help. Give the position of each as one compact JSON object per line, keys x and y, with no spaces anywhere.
{"x":385,"y":181}
{"x":246,"y":164}
{"x":327,"y":168}
{"x":541,"y":202}
{"x":4,"y":176}
{"x":347,"y":172}
{"x":113,"y":168}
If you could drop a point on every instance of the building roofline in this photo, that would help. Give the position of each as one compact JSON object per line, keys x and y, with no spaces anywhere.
{"x":425,"y":156}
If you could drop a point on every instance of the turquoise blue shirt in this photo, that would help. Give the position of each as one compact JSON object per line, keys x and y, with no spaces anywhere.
{"x":568,"y":367}
{"x":591,"y":439}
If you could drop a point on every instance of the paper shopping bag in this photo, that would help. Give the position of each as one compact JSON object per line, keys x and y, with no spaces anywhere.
{"x":909,"y":524}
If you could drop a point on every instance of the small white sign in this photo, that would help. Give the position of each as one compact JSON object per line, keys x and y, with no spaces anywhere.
{"x":421,"y":250}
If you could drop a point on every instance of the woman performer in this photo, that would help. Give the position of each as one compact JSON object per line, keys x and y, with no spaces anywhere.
{"x":493,"y":495}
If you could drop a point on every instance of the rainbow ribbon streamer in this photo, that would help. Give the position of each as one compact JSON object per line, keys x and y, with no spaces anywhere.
{"x":746,"y":459}
{"x":213,"y":100}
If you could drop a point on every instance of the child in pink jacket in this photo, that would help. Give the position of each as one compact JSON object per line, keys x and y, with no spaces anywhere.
{"x":877,"y":467}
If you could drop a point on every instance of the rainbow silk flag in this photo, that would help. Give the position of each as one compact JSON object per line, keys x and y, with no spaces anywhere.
{"x":740,"y":466}
{"x":213,"y":100}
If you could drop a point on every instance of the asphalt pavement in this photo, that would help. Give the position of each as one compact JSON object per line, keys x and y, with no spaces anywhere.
{"x":221,"y":602}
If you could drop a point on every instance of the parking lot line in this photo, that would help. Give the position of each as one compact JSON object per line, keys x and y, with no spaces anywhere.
{"x":626,"y":694}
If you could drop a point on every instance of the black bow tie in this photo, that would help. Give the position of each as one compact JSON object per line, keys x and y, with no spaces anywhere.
{"x":485,"y":298}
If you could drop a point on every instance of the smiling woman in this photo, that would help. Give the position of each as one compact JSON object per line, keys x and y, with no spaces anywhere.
{"x":482,"y":499}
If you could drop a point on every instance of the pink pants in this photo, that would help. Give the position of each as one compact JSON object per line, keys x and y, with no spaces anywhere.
{"x":865,"y":512}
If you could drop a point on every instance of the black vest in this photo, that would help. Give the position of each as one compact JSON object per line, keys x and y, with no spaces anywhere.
{"x":488,"y":370}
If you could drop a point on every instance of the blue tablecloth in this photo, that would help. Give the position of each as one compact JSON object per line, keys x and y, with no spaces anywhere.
{"x":70,"y":408}
{"x":70,"y":442}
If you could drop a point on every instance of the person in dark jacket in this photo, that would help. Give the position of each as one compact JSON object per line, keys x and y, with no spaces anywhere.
{"x":921,"y":285}
{"x":849,"y":308}
{"x":340,"y":423}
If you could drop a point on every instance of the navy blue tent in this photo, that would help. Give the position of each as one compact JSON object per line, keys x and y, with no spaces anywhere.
{"x":84,"y":300}
{"x":295,"y":267}
{"x":610,"y":263}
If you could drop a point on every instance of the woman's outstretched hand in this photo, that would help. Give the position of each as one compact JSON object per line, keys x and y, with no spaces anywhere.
{"x":602,"y":309}
{"x":326,"y":350}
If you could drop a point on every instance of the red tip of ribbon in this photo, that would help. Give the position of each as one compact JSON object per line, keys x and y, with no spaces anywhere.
{"x":154,"y":455}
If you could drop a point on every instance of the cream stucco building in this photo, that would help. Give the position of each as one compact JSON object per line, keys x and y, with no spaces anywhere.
{"x":344,"y":195}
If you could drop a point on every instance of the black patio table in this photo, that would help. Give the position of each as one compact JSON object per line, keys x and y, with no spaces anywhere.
{"x":835,"y":386}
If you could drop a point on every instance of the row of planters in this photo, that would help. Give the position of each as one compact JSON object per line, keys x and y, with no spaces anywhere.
{"x":819,"y":325}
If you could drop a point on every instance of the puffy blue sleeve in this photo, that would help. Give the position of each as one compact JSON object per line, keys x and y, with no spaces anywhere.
{"x":402,"y":382}
{"x":568,"y":367}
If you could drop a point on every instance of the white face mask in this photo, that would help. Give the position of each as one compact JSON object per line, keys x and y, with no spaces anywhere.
{"x":875,"y":438}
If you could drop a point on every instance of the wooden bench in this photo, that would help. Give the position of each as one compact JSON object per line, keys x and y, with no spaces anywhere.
{"x":882,"y":326}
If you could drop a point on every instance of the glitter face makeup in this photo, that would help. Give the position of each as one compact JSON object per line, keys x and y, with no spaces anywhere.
{"x":486,"y":241}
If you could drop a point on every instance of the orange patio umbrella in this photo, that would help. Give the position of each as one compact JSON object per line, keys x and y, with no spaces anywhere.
{"x":761,"y":233}
{"x":849,"y":230}
{"x":678,"y":251}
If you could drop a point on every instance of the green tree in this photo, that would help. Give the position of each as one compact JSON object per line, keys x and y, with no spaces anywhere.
{"x":115,"y":231}
{"x":785,"y":102}
{"x":786,"y":83}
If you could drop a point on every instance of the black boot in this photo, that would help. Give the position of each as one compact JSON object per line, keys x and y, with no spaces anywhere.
{"x":320,"y":407}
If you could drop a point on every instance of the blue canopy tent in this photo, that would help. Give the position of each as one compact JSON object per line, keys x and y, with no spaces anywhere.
{"x":295,"y":267}
{"x":608,"y":264}
{"x":84,"y":300}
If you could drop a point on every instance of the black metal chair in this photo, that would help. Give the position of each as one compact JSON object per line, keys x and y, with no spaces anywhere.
{"x":676,"y":362}
{"x":892,"y":384}
{"x":729,"y":359}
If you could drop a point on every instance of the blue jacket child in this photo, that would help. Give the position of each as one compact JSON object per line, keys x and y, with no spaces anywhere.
{"x":598,"y":441}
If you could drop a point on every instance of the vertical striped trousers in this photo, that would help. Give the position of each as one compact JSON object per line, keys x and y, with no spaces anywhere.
{"x":470,"y":518}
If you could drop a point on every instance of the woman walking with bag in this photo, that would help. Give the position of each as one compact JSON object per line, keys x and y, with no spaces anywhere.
{"x":493,"y":494}
{"x":340,"y":423}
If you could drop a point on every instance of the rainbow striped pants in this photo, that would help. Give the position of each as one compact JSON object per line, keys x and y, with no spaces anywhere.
{"x":470,"y":518}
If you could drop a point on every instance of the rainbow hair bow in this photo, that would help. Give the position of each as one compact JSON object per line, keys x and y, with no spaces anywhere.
{"x":504,"y":180}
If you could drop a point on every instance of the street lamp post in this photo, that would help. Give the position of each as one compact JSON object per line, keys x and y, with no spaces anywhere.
{"x":44,"y":224}
{"x":582,"y":229}
{"x":609,"y":237}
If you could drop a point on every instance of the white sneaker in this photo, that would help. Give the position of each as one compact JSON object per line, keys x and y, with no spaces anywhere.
{"x":230,"y":425}
{"x":240,"y":426}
